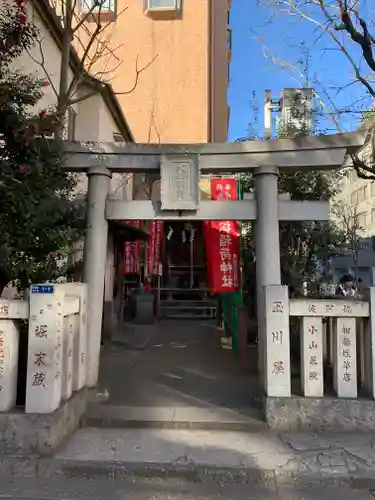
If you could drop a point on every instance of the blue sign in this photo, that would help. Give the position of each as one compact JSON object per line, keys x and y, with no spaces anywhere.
{"x":42,"y":289}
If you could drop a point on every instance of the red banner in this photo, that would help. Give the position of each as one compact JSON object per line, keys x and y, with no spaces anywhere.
{"x":131,"y":251}
{"x":224,"y":189}
{"x":222,"y":239}
{"x":155,"y":242}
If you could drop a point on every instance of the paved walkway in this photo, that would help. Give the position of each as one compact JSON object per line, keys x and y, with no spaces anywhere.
{"x":181,"y":365}
{"x":263,"y":458}
{"x":285,"y":452}
{"x":78,"y":488}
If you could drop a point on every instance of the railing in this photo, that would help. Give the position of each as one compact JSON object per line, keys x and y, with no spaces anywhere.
{"x":336,"y":335}
{"x":57,"y":345}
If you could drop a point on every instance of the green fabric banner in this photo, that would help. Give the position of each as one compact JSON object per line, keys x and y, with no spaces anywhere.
{"x":229,"y":301}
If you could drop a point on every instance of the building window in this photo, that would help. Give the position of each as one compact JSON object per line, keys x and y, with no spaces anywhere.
{"x":372,"y":188}
{"x":361,"y":194}
{"x":106,"y":9}
{"x":117,"y":137}
{"x":157,"y":5}
{"x":362,"y":220}
{"x":354,"y":198}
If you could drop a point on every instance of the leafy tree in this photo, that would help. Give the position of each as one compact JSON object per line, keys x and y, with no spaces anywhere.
{"x":37,"y":216}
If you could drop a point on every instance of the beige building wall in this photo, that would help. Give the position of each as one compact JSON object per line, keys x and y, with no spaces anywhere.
{"x":50,"y":52}
{"x":180,"y":95}
{"x":359,"y":194}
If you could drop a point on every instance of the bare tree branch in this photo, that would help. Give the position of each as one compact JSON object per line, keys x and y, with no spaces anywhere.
{"x":41,"y":64}
{"x":348,"y":222}
{"x":342,"y":22}
{"x":138,"y":72}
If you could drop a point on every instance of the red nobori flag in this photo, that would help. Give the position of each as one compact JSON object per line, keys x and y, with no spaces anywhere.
{"x":222,"y":240}
{"x":155,"y":241}
{"x":131,"y":251}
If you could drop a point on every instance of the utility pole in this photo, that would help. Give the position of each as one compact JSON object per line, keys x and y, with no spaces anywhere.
{"x":270,"y":105}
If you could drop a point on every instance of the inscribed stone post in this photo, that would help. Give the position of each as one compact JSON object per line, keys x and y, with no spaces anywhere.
{"x":44,"y":364}
{"x":9,"y":341}
{"x":277,"y":350}
{"x":78,"y":290}
{"x":369,"y":347}
{"x":312,"y":357}
{"x":80,"y":338}
{"x":345,"y":363}
{"x":68,"y":345}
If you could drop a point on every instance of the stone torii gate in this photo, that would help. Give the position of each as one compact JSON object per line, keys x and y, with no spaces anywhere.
{"x":180,"y":167}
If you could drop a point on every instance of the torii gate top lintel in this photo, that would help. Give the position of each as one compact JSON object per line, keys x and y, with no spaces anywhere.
{"x":317,"y":152}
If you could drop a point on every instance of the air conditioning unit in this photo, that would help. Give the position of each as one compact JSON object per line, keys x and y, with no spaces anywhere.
{"x":162,"y":5}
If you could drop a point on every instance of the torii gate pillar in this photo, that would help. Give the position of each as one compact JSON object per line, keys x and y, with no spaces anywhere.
{"x":267,"y":244}
{"x":95,"y":251}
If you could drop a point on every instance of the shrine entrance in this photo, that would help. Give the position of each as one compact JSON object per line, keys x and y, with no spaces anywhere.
{"x":180,"y":168}
{"x":184,"y":256}
{"x":182,"y":288}
{"x":175,"y":373}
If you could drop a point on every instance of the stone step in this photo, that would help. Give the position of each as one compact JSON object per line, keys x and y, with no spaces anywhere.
{"x":209,"y":418}
{"x":187,"y":317}
{"x":187,"y":308}
{"x":167,"y":315}
{"x":298,"y":462}
{"x":188,"y":303}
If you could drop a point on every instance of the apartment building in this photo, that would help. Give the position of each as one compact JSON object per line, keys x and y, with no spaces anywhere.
{"x":182,"y":49}
{"x":357,"y":196}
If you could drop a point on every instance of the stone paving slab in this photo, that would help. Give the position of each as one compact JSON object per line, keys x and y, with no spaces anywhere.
{"x":192,"y":417}
{"x":81,"y":489}
{"x":235,"y":456}
{"x":183,"y":365}
{"x":230,"y":449}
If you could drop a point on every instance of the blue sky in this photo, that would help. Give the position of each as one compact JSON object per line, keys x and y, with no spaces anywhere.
{"x":285,"y":37}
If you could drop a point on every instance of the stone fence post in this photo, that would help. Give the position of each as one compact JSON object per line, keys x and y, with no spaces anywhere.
{"x":277,"y":342}
{"x":57,"y":345}
{"x":10,"y":312}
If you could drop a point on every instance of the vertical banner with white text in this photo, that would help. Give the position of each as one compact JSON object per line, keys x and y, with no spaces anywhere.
{"x":222,"y":239}
{"x":155,"y":242}
{"x":131,"y":251}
